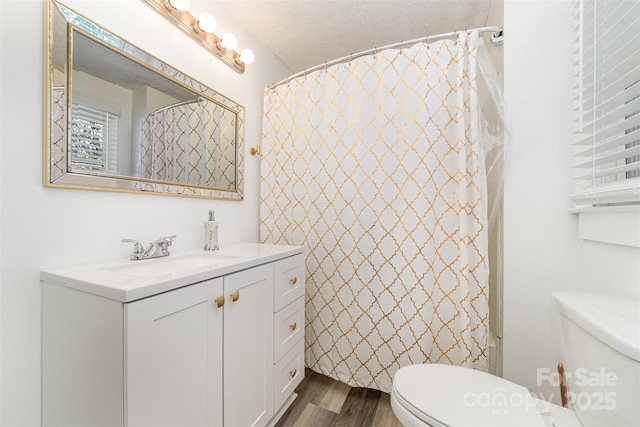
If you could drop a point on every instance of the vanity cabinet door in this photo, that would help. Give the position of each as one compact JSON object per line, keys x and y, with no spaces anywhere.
{"x":173,"y":356}
{"x":248,"y":347}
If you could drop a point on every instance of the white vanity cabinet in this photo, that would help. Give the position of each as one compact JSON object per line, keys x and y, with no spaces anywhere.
{"x":174,"y":358}
{"x":225,"y":351}
{"x":248,"y":347}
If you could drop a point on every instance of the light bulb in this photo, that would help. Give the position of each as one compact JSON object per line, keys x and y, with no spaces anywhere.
{"x":247,"y":56}
{"x":180,"y":5}
{"x":229,"y":41}
{"x":207,"y":22}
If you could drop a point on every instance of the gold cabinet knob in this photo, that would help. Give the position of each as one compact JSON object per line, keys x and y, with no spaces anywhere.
{"x":293,"y":326}
{"x":293,"y":373}
{"x":219,"y":301}
{"x":235,"y":295}
{"x":293,"y":280}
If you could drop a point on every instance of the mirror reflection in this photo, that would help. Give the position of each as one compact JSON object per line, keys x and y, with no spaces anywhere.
{"x":121,"y":119}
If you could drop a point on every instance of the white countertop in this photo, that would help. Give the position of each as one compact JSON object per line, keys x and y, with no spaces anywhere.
{"x":126,"y":280}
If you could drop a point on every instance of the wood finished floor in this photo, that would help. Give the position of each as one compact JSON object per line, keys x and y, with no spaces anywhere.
{"x":324,"y":402}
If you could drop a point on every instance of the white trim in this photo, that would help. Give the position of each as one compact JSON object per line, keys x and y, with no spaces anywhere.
{"x":627,"y":191}
{"x":618,"y":225}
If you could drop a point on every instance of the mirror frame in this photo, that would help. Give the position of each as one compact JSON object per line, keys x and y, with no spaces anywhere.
{"x":122,"y":183}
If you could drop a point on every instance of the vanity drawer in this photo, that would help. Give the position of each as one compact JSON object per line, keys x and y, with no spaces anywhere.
{"x":289,"y":284}
{"x":288,"y":328}
{"x":288,"y":373}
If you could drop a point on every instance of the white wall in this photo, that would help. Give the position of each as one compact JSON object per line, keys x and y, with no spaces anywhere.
{"x":542,"y":250}
{"x":1,"y":210}
{"x":44,"y":227}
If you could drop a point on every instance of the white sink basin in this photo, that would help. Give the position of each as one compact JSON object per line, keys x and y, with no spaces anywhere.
{"x":171,"y":265}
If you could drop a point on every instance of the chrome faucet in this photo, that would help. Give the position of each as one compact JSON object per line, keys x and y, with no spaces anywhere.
{"x":156,"y":249}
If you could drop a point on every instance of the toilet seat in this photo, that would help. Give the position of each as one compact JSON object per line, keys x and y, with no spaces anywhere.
{"x":445,"y":395}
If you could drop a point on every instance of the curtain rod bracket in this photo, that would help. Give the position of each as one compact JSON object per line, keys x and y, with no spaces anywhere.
{"x":497,"y":38}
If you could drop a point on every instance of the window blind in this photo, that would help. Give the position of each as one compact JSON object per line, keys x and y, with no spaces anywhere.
{"x":607,"y":148}
{"x":94,"y":139}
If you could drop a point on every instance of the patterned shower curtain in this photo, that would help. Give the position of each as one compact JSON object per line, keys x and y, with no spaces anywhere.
{"x":376,"y":167}
{"x":191,"y":143}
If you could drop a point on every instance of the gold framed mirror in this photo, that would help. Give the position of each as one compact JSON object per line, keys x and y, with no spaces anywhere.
{"x":119,"y":119}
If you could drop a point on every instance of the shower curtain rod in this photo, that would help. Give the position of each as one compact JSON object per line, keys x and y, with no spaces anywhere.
{"x":496,"y":39}
{"x":177,"y":104}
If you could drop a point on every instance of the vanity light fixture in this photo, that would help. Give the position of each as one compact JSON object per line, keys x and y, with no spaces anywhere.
{"x":207,"y":23}
{"x":180,"y":5}
{"x":201,"y":30}
{"x":229,"y":41}
{"x":247,"y":56}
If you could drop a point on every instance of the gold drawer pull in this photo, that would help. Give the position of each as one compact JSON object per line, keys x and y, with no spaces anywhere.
{"x":293,"y":280}
{"x":293,"y":373}
{"x":219,"y":301}
{"x":234,"y":295}
{"x":293,"y":326}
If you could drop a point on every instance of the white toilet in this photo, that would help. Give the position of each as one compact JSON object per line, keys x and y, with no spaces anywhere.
{"x":601,"y":334}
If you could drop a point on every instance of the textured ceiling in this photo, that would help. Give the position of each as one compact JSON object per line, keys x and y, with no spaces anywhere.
{"x":305,"y":33}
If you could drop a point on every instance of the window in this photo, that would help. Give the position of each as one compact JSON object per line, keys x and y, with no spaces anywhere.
{"x":94,"y":139}
{"x":607,"y":149}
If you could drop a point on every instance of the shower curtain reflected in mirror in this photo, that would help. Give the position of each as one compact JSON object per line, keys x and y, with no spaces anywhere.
{"x":190,"y":143}
{"x":376,"y":166}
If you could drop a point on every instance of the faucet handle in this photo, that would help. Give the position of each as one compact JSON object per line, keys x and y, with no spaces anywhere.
{"x":164,"y":241}
{"x":167,"y":242}
{"x":138,"y":249}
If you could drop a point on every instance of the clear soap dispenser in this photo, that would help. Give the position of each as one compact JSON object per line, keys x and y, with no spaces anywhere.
{"x":211,"y":233}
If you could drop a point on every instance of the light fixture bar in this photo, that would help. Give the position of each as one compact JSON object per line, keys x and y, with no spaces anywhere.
{"x":187,"y":23}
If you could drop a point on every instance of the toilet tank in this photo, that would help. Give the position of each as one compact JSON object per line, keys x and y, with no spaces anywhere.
{"x":601,"y":335}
